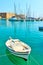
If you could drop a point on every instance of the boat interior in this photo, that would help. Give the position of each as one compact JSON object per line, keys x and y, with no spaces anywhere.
{"x":18,"y":45}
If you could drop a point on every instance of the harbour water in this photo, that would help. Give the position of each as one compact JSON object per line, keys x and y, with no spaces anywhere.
{"x":27,"y":32}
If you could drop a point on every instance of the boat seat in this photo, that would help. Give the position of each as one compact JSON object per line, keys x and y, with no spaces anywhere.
{"x":18,"y":47}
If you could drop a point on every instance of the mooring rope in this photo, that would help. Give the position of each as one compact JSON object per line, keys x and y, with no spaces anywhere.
{"x":4,"y":55}
{"x":35,"y":60}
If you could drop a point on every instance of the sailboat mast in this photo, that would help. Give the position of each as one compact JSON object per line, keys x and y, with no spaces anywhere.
{"x":14,"y":8}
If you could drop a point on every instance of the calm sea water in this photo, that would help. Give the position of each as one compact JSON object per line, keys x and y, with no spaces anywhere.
{"x":27,"y":32}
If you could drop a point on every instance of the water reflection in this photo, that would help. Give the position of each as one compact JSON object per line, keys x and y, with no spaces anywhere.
{"x":15,"y":60}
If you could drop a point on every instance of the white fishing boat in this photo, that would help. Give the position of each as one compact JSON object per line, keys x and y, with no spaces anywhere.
{"x":18,"y":48}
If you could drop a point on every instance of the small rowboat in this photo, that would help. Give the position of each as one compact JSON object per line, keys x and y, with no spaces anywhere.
{"x":18,"y":48}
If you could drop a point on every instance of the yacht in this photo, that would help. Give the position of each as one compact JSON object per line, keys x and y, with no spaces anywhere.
{"x":15,"y":19}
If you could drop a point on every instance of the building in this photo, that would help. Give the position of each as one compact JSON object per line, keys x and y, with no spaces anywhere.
{"x":9,"y":15}
{"x":3,"y":15}
{"x":6,"y":15}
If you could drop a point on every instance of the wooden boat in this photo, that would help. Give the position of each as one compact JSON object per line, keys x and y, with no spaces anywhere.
{"x":18,"y":48}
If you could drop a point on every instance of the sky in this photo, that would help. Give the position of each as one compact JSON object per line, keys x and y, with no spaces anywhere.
{"x":35,"y":7}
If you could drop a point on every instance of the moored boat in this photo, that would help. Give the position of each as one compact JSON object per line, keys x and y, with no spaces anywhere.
{"x":41,"y":28}
{"x":15,"y":19}
{"x":18,"y":48}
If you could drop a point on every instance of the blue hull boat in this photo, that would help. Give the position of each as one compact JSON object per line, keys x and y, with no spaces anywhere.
{"x":41,"y":28}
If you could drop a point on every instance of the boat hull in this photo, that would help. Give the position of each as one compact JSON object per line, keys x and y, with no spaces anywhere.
{"x":15,"y":20}
{"x":22,"y":55}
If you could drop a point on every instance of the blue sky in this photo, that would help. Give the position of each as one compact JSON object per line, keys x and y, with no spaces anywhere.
{"x":36,"y":6}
